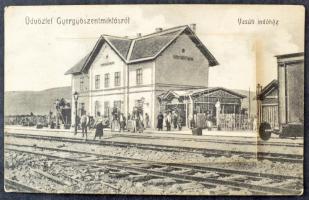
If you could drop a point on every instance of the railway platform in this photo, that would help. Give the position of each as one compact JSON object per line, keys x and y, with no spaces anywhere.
{"x":183,"y":133}
{"x":227,"y":141}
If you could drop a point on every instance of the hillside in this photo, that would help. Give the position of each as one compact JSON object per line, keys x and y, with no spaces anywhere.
{"x":41,"y":102}
{"x":37,"y":102}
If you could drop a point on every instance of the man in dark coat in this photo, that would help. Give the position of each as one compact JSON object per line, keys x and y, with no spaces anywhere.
{"x":175,"y":119}
{"x":160,"y":121}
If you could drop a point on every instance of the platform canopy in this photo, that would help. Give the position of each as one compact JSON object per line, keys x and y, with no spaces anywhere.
{"x":215,"y":102}
{"x":204,"y":94}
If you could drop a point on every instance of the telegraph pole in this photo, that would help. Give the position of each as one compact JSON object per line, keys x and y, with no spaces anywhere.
{"x":249,"y":108}
{"x":75,"y":95}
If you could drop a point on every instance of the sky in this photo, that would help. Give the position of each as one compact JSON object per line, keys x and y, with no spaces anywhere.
{"x":37,"y":56}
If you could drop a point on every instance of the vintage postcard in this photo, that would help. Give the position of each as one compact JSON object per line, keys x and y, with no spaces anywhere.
{"x":154,"y":99}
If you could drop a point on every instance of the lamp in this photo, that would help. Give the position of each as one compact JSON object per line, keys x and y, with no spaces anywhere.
{"x":75,"y":96}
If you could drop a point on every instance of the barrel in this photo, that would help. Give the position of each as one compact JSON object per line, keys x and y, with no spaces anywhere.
{"x":197,"y":131}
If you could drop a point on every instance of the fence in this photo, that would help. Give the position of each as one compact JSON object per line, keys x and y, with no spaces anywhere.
{"x":235,"y":122}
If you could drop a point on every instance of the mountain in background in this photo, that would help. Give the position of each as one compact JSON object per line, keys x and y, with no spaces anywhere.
{"x":41,"y":102}
{"x":37,"y":102}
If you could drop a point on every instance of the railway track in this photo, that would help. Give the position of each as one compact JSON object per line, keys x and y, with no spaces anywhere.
{"x":219,"y":141}
{"x":278,"y":157}
{"x":182,"y":173}
{"x":12,"y":185}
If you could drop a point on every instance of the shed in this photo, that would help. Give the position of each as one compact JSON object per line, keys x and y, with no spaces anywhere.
{"x":287,"y":117}
{"x":268,"y":104}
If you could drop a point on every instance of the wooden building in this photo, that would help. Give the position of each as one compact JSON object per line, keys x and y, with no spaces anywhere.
{"x":268,"y":104}
{"x":206,"y":100}
{"x":281,"y":102}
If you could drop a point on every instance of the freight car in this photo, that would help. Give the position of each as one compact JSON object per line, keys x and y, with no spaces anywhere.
{"x":281,"y":103}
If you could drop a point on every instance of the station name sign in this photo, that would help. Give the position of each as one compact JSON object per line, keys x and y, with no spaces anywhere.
{"x":183,"y":57}
{"x":107,"y":63}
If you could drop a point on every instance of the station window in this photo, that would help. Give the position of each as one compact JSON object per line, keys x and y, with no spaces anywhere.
{"x":117,"y":104}
{"x":82,"y":109}
{"x":117,"y":79}
{"x":139,"y":76}
{"x":183,"y":50}
{"x":97,"y":81}
{"x":106,"y":108}
{"x":81,"y":83}
{"x":97,"y":108}
{"x":106,"y":80}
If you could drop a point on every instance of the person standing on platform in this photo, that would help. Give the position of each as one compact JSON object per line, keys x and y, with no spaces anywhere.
{"x":84,"y":123}
{"x":122,"y":122}
{"x":175,"y":119}
{"x":146,"y":120}
{"x":140,"y":123}
{"x":168,"y":121}
{"x":179,"y":122}
{"x":133,"y":118}
{"x":160,"y":121}
{"x":164,"y":119}
{"x":98,"y":126}
{"x":129,"y":116}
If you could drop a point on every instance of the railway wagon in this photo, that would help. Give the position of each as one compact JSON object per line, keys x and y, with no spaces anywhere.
{"x":284,"y":115}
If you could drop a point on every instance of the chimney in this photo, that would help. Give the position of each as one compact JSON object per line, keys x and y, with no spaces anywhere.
{"x":159,"y":29}
{"x":193,"y":27}
{"x":138,"y":35}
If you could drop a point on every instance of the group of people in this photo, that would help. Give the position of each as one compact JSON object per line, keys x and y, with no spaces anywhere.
{"x":169,"y":119}
{"x":99,"y":123}
{"x":118,"y":123}
{"x":138,"y":121}
{"x":118,"y":120}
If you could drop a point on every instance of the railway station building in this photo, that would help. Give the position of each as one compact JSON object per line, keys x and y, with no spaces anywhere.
{"x":125,"y":73}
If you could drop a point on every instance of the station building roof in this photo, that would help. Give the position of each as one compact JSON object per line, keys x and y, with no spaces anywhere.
{"x":142,"y":48}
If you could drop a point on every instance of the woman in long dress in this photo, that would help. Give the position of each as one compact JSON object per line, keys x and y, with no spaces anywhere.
{"x":160,"y":122}
{"x":168,"y":121}
{"x":140,"y":123}
{"x":98,"y":126}
{"x":122,"y":120}
{"x":133,"y":120}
